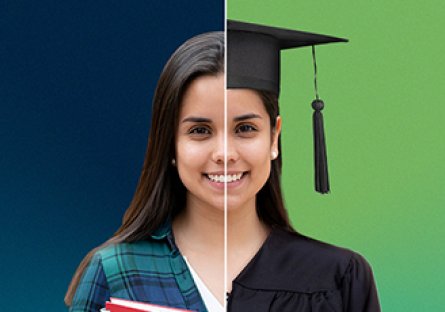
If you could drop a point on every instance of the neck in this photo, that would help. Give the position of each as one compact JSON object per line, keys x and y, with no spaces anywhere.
{"x":244,"y":228}
{"x":203,"y":227}
{"x":200,"y":235}
{"x":200,"y":227}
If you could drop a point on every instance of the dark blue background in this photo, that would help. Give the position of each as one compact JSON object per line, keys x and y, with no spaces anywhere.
{"x":76,"y":83}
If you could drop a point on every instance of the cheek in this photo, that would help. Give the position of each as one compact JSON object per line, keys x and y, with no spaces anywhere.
{"x":257,"y":152}
{"x":190,"y":154}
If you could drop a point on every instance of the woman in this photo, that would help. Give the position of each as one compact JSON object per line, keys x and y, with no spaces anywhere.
{"x":150,"y":266}
{"x":169,"y":249}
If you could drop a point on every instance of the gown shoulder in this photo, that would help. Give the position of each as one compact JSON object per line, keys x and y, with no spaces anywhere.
{"x":292,"y":272}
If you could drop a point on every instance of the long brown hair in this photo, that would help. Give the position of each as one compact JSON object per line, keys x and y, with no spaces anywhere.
{"x":160,"y":194}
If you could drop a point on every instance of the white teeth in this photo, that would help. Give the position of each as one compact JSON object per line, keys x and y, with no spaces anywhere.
{"x":228,"y":178}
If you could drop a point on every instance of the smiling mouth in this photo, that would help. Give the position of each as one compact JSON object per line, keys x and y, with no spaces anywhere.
{"x":225,"y":178}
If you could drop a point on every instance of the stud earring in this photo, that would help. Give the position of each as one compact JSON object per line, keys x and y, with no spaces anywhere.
{"x":274,"y":154}
{"x":173,"y":161}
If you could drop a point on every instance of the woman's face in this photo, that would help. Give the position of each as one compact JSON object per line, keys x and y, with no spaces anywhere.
{"x":200,"y":144}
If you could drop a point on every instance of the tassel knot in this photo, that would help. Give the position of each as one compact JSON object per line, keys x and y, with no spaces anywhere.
{"x":318,"y":105}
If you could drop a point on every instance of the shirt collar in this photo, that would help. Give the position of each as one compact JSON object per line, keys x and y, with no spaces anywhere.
{"x":163,"y":231}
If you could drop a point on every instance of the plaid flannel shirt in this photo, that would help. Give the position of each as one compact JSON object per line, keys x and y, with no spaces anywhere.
{"x":149,"y":271}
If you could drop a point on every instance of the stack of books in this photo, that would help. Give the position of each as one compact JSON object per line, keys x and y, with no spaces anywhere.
{"x":122,"y":305}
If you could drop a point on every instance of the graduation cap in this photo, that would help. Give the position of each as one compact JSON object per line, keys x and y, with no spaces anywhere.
{"x":253,"y":62}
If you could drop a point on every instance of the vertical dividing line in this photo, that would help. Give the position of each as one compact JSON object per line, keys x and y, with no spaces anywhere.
{"x":225,"y":157}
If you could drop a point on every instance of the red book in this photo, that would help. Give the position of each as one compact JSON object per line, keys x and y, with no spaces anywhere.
{"x":122,"y":305}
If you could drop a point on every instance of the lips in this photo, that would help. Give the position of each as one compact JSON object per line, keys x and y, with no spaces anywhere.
{"x":225,"y":178}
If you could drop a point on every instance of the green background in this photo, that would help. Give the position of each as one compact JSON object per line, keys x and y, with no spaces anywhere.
{"x":384,"y":111}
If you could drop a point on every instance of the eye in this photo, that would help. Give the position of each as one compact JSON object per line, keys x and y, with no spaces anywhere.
{"x":199,"y":130}
{"x":246,"y":128}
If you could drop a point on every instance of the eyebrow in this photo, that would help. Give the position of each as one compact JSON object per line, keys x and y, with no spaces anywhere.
{"x":236,"y":119}
{"x":196,"y":119}
{"x":247,"y":116}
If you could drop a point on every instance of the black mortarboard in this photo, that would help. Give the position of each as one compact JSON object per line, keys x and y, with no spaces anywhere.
{"x":253,"y":62}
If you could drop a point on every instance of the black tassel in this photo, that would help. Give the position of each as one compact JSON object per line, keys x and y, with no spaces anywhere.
{"x":320,"y":157}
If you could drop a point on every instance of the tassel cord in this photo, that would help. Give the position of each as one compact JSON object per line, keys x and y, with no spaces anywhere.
{"x":315,"y":72}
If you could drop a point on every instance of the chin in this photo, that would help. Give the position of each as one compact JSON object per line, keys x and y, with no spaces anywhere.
{"x":233,"y":205}
{"x":218,"y":204}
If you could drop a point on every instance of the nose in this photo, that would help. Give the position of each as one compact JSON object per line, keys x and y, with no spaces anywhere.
{"x":218,"y":152}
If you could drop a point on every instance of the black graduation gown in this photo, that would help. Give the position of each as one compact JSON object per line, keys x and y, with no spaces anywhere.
{"x":295,"y":273}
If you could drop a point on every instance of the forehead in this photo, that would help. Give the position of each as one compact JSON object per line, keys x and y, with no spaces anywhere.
{"x":204,"y":95}
{"x":240,"y":101}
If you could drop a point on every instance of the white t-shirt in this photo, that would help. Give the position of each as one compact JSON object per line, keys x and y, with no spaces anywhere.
{"x":212,"y":304}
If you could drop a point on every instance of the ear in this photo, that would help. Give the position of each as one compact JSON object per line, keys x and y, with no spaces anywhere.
{"x":275,"y":136}
{"x":173,"y":159}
